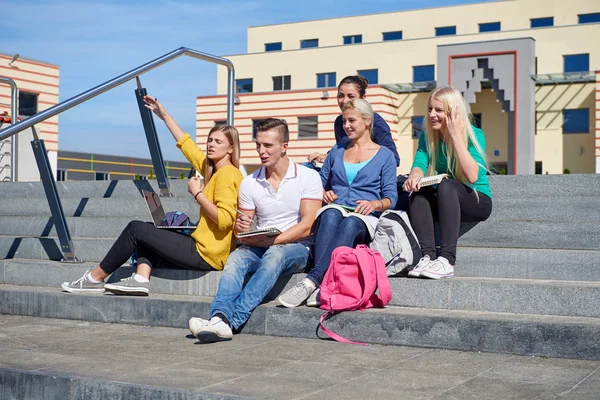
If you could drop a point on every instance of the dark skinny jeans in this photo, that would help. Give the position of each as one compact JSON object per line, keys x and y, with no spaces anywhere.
{"x":454,"y":202}
{"x":151,"y":245}
{"x":332,"y":231}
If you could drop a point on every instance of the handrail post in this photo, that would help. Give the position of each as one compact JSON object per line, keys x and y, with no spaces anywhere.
{"x":230,"y":94}
{"x":56,"y":210}
{"x":14,"y":115}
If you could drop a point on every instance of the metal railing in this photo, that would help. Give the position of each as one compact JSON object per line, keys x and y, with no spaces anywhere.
{"x":41,"y":155}
{"x":13,"y":115}
{"x":106,"y":86}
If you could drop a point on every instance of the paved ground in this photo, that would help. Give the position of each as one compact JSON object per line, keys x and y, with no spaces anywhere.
{"x":284,"y":368}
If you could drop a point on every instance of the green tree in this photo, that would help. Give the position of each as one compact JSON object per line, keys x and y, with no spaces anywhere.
{"x":567,"y":171}
{"x":137,"y":177}
{"x":151,"y":175}
{"x":182,"y":176}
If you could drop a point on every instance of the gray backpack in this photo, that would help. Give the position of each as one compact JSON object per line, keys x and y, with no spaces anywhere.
{"x":397,"y":243}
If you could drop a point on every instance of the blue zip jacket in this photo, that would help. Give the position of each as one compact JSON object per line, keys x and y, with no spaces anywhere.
{"x":375,"y":181}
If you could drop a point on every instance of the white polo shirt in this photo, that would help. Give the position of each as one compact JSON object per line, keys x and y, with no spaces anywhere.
{"x":279,"y":209}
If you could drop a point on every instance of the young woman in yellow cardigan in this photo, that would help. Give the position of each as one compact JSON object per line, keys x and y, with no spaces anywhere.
{"x":212,"y":241}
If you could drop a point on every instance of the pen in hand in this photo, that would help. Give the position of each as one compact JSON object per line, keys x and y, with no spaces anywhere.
{"x":243,"y":214}
{"x":418,"y":180}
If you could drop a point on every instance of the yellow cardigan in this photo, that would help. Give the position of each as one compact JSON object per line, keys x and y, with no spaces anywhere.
{"x":214,"y":241}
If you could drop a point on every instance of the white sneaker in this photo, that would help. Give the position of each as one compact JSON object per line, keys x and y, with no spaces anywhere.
{"x":196,"y":324}
{"x":438,"y":269}
{"x":297,"y":295}
{"x":315,"y":299}
{"x":423,"y":263}
{"x":215,"y":330}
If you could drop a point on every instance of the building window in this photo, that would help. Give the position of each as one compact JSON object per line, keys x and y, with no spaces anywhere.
{"x":477,"y":120}
{"x":489,"y":27}
{"x":254,"y":123}
{"x":576,"y":63}
{"x":282,"y":82}
{"x":397,"y":35}
{"x":589,"y":18}
{"x":102,"y":176}
{"x":372,"y":75}
{"x":417,"y":126}
{"x":28,"y":103}
{"x":353,"y":39}
{"x":308,"y":127}
{"x":309,"y":43}
{"x":61,"y":175}
{"x":221,"y":122}
{"x":542,"y":22}
{"x":273,"y":46}
{"x":445,"y":31}
{"x":576,"y":120}
{"x":326,"y":80}
{"x":423,"y":73}
{"x":243,"y":85}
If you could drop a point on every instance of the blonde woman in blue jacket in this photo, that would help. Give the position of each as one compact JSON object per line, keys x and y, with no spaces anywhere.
{"x":357,"y":174}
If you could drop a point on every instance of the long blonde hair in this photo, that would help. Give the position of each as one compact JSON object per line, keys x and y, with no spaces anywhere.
{"x":234,"y":139}
{"x":453,"y":101}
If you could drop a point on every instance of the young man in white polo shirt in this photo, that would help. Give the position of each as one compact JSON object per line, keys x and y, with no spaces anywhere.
{"x":283,"y":195}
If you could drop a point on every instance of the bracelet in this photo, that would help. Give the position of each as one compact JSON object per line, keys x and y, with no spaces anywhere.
{"x":196,"y":195}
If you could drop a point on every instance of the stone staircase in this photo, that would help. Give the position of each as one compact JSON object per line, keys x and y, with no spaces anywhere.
{"x":527,"y":280}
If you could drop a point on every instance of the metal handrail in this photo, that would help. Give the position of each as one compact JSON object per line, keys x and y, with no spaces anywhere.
{"x":106,"y":86}
{"x":14,"y":119}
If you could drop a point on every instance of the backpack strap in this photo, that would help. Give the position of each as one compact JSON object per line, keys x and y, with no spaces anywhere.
{"x":334,"y":335}
{"x":383,"y":283}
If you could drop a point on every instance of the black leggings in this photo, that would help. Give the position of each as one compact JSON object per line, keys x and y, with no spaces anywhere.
{"x":449,"y":204}
{"x":153,"y":245}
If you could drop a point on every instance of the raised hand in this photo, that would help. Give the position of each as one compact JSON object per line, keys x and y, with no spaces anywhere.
{"x":195,"y":185}
{"x":455,"y":125}
{"x":153,"y":105}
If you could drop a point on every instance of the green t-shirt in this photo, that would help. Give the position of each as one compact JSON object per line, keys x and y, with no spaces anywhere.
{"x":422,"y":160}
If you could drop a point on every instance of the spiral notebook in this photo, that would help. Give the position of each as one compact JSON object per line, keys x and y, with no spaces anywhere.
{"x":433,"y":180}
{"x":268,"y":232}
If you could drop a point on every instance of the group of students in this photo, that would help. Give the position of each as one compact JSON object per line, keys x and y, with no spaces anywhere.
{"x":358,"y":174}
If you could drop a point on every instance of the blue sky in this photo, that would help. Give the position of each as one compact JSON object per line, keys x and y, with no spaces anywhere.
{"x":93,"y":41}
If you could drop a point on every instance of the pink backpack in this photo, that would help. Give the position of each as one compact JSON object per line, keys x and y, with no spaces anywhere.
{"x":350,"y":284}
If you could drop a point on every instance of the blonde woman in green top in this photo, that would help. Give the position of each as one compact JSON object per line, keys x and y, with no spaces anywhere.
{"x":449,"y":144}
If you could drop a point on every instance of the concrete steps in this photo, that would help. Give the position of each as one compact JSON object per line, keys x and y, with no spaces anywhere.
{"x":540,"y":335}
{"x":527,"y":280}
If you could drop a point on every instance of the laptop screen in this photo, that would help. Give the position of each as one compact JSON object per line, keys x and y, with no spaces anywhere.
{"x":154,"y":207}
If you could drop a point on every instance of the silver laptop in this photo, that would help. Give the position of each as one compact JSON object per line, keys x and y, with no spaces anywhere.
{"x":157,"y":211}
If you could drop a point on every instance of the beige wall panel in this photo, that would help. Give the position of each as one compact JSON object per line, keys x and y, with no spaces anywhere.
{"x":419,"y":23}
{"x":395,"y":60}
{"x":494,"y":124}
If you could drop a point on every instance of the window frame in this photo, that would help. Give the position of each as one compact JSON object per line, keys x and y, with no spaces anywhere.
{"x":23,"y":94}
{"x":488,"y":25}
{"x":267,"y":50}
{"x":542,"y":22}
{"x":283,"y":82}
{"x":391,"y":33}
{"x":352,"y":39}
{"x":571,"y":59}
{"x":439,"y":30}
{"x":575,"y":129}
{"x":316,"y":125}
{"x":309,"y":43}
{"x":244,"y":79}
{"x":432,"y":66}
{"x":595,"y":18}
{"x":329,"y":77}
{"x":376,"y":70}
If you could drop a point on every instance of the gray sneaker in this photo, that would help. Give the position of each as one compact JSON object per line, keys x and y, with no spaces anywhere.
{"x":129,"y":286}
{"x":83,"y":285}
{"x":296,"y":295}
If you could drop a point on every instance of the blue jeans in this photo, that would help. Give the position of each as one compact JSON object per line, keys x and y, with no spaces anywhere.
{"x":333,"y":231}
{"x":237,"y":302}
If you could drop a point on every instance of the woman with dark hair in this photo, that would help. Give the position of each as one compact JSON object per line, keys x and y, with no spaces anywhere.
{"x":209,"y":245}
{"x":350,"y":88}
